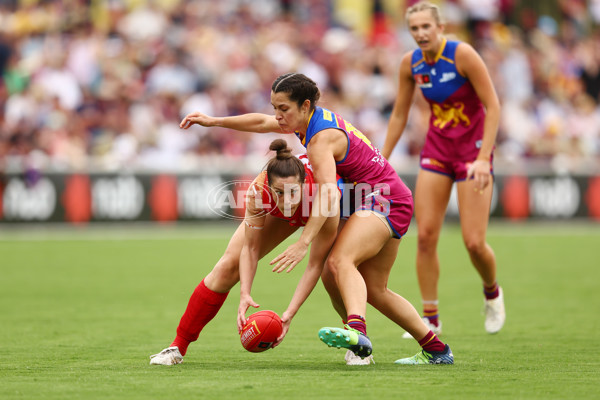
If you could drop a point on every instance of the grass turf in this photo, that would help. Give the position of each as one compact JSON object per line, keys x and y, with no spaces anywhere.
{"x":82,"y":310}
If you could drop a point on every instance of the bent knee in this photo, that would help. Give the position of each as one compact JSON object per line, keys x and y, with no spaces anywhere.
{"x":327,"y":276}
{"x":229,"y":262}
{"x":335,"y":263}
{"x":226,"y":272}
{"x":475,"y":245}
{"x":331,"y":267}
{"x":375,"y":294}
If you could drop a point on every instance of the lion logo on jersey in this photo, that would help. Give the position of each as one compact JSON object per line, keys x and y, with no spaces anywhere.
{"x":445,"y":113}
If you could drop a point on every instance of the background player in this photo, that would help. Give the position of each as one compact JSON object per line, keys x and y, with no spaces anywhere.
{"x":462,"y":130}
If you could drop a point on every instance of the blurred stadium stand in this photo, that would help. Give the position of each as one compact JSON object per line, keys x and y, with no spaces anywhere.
{"x":93,"y":91}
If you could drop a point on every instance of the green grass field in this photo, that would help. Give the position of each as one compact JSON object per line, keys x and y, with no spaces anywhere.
{"x":81,"y":311}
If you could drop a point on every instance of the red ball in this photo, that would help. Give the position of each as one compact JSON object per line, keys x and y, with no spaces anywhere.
{"x":261,"y":330}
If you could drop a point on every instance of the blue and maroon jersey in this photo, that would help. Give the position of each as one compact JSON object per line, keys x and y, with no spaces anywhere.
{"x":363,"y":162}
{"x":377,"y":186}
{"x":457,"y":114}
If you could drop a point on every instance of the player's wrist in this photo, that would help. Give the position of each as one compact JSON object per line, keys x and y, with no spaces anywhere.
{"x":217,"y":121}
{"x":304,"y":240}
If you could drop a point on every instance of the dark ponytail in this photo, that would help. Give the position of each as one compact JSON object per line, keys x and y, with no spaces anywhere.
{"x":284,"y":164}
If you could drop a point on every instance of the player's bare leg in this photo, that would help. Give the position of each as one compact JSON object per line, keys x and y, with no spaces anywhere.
{"x":225,"y":274}
{"x":328,"y":280}
{"x":337,"y":302}
{"x":363,"y":236}
{"x":432,"y":194}
{"x":376,"y":272}
{"x":474,"y":208}
{"x":334,"y":294}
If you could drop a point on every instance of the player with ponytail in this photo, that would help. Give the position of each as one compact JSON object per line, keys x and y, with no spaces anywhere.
{"x":360,"y":261}
{"x":274,"y":210}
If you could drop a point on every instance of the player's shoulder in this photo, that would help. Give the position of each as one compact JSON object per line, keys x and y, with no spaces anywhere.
{"x":411,"y":53}
{"x":464,"y":49}
{"x":406,"y":64}
{"x":408,"y":59}
{"x":259,"y":185}
{"x":318,"y":119}
{"x":413,"y":56}
{"x":323,"y":116}
{"x":322,"y":119}
{"x":260,"y":178}
{"x":467,"y":59}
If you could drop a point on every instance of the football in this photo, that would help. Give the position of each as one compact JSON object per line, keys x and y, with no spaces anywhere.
{"x":261,"y":330}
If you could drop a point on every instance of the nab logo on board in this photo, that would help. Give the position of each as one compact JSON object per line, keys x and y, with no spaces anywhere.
{"x":117,"y":198}
{"x":83,"y":198}
{"x":193,"y":200}
{"x":24,"y":201}
{"x":555,"y":197}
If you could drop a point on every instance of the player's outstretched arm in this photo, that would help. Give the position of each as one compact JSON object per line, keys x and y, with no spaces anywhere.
{"x":253,"y":122}
{"x":318,"y":254}
{"x":254,"y":221}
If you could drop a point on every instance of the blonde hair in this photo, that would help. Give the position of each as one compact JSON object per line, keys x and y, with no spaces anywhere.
{"x":424,"y":6}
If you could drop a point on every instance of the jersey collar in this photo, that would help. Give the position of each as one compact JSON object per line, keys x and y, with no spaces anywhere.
{"x":439,"y":53}
{"x":303,"y":136}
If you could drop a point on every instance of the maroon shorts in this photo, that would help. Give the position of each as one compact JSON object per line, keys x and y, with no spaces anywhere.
{"x":457,"y":170}
{"x":397,"y":211}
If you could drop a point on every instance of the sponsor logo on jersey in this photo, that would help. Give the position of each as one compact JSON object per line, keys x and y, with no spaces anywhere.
{"x":447,"y":76}
{"x":423,"y":80}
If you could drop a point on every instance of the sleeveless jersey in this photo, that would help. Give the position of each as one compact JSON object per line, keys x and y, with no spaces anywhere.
{"x":363,"y":162}
{"x":376,"y":185}
{"x":457,"y":115}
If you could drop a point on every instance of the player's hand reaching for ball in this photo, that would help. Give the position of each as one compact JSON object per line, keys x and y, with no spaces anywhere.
{"x":197,"y":118}
{"x":286,"y":320}
{"x":245,"y":302}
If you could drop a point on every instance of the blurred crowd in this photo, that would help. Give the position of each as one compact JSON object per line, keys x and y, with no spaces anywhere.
{"x":103,"y":85}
